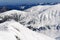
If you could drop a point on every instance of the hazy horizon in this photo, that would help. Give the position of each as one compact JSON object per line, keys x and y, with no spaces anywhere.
{"x":20,"y":2}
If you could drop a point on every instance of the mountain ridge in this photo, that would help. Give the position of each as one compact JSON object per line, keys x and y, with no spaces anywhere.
{"x":45,"y":18}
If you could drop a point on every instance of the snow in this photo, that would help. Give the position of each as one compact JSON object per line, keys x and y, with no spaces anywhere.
{"x":35,"y":17}
{"x":6,"y":36}
{"x":48,"y":16}
{"x":24,"y":34}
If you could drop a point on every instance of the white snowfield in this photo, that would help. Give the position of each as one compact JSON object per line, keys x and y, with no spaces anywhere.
{"x":48,"y":15}
{"x":36,"y":17}
{"x":23,"y":33}
{"x":7,"y":36}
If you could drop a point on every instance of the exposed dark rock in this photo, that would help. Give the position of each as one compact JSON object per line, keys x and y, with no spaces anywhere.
{"x":42,"y":28}
{"x":31,"y":22}
{"x":29,"y":27}
{"x":58,"y":27}
{"x":17,"y":38}
{"x":34,"y":29}
{"x":48,"y":27}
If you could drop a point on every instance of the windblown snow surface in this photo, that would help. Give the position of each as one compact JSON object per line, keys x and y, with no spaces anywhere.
{"x":36,"y":23}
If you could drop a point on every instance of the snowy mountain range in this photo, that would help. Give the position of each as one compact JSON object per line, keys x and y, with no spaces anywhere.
{"x":49,"y":19}
{"x":4,"y":8}
{"x":41,"y":19}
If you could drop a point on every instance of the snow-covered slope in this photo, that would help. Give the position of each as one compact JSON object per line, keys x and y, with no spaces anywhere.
{"x":25,"y":18}
{"x":49,"y":19}
{"x":47,"y":15}
{"x":15,"y":29}
{"x":43,"y":19}
{"x":13,"y":14}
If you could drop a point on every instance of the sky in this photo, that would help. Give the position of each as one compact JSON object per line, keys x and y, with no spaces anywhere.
{"x":20,"y":2}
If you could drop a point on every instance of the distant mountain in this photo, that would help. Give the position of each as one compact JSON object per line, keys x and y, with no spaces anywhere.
{"x":22,"y":7}
{"x":15,"y":7}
